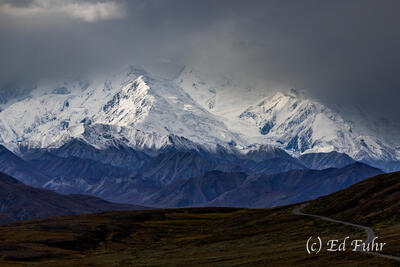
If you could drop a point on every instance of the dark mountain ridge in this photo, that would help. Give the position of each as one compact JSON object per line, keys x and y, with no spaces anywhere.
{"x":125,"y":175}
{"x":259,"y":190}
{"x":21,"y":202}
{"x":20,"y":169}
{"x":198,"y":190}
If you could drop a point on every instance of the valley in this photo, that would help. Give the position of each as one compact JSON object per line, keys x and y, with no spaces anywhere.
{"x":208,"y":236}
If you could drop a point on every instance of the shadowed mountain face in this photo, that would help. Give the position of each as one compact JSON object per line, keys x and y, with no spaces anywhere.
{"x":119,"y":155}
{"x":261,"y":177}
{"x":198,"y":190}
{"x":130,"y":176}
{"x":169,"y":167}
{"x":259,"y":190}
{"x":20,"y":169}
{"x":272,"y":165}
{"x":319,"y":161}
{"x":267,"y":159}
{"x":74,"y":168}
{"x":21,"y":202}
{"x":375,"y":200}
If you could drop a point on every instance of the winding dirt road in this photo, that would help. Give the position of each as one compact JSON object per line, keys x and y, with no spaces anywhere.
{"x":368,"y":230}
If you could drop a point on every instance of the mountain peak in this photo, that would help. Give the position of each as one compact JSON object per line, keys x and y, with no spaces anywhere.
{"x":293,"y":92}
{"x":205,"y":110}
{"x":296,"y":93}
{"x":300,"y":125}
{"x":136,"y":71}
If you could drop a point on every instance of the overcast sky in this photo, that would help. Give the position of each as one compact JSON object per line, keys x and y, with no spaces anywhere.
{"x":340,"y":51}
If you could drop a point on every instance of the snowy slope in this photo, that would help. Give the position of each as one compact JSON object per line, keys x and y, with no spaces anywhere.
{"x":301,"y":125}
{"x":136,"y":107}
{"x":222,"y":96}
{"x":293,"y":120}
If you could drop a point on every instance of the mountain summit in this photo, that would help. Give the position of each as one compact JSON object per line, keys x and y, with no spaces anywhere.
{"x":143,"y":111}
{"x":302,"y":125}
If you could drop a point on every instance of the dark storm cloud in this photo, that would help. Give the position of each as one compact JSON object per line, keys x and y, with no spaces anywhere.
{"x":346,"y":51}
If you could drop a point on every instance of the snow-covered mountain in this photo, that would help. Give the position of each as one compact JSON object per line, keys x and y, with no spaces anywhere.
{"x":189,"y":112}
{"x":291,"y":120}
{"x":132,"y":106}
{"x":222,"y":96}
{"x":302,"y":125}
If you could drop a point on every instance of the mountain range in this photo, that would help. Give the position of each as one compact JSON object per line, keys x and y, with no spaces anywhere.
{"x":258,"y":191}
{"x":261,"y":178}
{"x":134,"y":137}
{"x":142,"y":111}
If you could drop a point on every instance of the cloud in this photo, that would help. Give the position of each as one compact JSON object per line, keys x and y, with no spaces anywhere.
{"x":83,"y":10}
{"x":340,"y":51}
